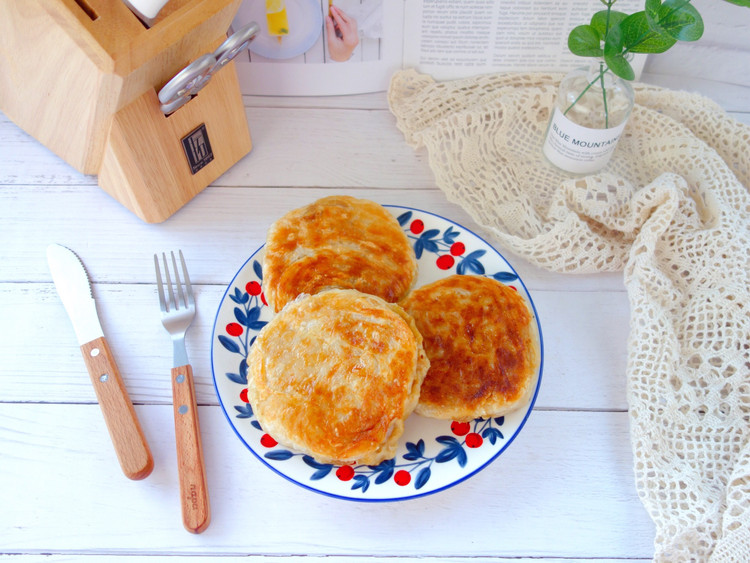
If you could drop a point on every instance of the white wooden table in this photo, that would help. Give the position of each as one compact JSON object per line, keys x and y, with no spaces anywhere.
{"x":563,"y":489}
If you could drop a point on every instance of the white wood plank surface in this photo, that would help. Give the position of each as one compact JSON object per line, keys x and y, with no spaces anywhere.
{"x":584,"y":335}
{"x":233,"y":220}
{"x":563,"y":491}
{"x":551,"y":494}
{"x":84,"y":558}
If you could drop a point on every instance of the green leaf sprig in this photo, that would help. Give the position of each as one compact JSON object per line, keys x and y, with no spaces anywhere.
{"x":614,"y":36}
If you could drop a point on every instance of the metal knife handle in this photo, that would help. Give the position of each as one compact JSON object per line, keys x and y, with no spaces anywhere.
{"x":196,"y":513}
{"x":124,"y":429}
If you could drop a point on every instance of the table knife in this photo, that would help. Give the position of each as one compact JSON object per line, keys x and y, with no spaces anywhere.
{"x":73,"y":286}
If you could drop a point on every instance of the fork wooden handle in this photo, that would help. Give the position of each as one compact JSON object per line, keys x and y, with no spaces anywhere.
{"x":125,"y":431}
{"x":196,"y":513}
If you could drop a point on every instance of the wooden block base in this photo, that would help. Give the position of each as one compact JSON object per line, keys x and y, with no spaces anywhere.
{"x":82,"y":76}
{"x":146,"y":166}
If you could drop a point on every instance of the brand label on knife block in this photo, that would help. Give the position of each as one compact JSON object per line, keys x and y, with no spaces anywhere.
{"x":197,"y":148}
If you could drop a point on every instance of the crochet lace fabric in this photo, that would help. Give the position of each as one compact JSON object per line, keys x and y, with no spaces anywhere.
{"x":672,"y":210}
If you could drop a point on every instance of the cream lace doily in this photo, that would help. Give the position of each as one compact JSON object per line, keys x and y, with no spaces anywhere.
{"x":672,"y":210}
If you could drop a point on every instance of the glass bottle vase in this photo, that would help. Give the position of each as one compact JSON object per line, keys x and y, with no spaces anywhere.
{"x":591,"y":110}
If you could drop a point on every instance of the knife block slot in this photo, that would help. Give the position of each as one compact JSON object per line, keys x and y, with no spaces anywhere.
{"x":81,"y":76}
{"x":87,"y":9}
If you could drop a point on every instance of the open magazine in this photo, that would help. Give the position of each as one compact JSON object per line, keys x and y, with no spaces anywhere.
{"x":338,"y":47}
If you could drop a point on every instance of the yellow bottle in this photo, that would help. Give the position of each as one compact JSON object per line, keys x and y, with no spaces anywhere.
{"x":278,"y":24}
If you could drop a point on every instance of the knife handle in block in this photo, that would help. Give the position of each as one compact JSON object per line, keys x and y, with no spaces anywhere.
{"x":125,"y":431}
{"x":196,"y":513}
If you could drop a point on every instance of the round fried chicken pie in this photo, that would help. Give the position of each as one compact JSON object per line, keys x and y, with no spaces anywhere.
{"x":337,"y":242}
{"x":335,"y":375}
{"x":483,"y":346}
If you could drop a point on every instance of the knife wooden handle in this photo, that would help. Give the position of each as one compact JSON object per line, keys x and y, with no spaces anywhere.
{"x":196,"y":513}
{"x":124,"y":429}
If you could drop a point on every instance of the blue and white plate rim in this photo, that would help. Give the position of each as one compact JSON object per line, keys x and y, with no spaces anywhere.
{"x":459,"y":479}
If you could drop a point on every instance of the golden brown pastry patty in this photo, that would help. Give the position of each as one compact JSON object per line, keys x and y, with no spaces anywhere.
{"x":337,"y":242}
{"x":482,"y":343}
{"x":335,"y":375}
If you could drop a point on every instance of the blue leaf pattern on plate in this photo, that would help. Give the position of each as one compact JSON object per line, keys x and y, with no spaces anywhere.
{"x":452,"y":248}
{"x":404,"y":218}
{"x":237,"y":378}
{"x":279,"y":455}
{"x":230,"y":345}
{"x":422,"y":477}
{"x":470,"y":263}
{"x":322,"y":469}
{"x":246,"y":411}
{"x":505,"y":277}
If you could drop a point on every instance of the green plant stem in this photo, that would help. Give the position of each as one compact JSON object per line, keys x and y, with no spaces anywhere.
{"x":604,"y":97}
{"x":606,"y":24}
{"x":602,"y":70}
{"x":598,"y":78}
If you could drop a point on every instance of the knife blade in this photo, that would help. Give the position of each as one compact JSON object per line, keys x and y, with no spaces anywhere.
{"x":73,"y":287}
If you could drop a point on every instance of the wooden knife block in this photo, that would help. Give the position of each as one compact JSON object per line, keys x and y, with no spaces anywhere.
{"x":82,"y":76}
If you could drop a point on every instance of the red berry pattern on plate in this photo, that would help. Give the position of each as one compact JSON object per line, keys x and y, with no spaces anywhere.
{"x":402,"y":477}
{"x":234,"y":329}
{"x":450,"y":252}
{"x":267,"y":441}
{"x":460,"y":428}
{"x":414,"y":460}
{"x":474,"y":440}
{"x":345,"y":472}
{"x":445,"y":262}
{"x":244,"y":311}
{"x":253,"y":288}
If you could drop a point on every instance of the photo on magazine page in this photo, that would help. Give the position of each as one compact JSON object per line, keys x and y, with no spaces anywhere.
{"x":313,"y":31}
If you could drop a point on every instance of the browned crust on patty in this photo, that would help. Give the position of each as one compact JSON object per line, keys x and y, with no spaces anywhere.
{"x":337,"y":242}
{"x":335,"y":375}
{"x":483,"y":346}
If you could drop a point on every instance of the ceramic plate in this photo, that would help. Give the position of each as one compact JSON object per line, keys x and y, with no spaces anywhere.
{"x":432,"y":454}
{"x":305,"y":26}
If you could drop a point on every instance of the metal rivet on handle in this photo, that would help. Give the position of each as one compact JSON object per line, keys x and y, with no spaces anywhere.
{"x":103,"y":377}
{"x":183,"y":409}
{"x":94,"y":352}
{"x":180,"y":378}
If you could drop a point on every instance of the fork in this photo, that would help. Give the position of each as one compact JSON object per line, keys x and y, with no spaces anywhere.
{"x":177,"y":313}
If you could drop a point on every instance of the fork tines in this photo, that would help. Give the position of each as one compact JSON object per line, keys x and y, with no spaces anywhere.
{"x":183,"y":299}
